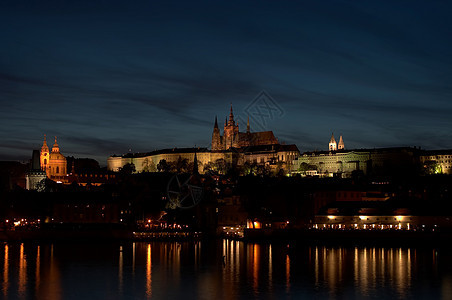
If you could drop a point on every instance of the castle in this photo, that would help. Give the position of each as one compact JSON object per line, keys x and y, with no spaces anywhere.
{"x":234,"y":148}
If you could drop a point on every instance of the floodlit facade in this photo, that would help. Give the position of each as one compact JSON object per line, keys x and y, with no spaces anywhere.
{"x":53,"y":163}
{"x":233,"y":148}
{"x":437,"y":161}
{"x":343,"y":163}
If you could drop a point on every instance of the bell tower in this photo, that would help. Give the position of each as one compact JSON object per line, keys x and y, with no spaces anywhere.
{"x":44,"y":157}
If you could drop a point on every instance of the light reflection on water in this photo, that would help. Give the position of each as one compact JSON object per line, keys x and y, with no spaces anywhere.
{"x":220,"y":269}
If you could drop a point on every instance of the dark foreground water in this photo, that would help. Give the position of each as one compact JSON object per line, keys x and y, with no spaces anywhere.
{"x":221,"y":270}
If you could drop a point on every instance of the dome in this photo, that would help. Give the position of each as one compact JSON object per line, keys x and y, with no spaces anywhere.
{"x":56,"y":156}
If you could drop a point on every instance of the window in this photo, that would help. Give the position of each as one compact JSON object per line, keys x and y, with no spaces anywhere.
{"x":57,"y":170}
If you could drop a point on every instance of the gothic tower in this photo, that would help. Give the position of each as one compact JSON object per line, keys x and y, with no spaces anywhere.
{"x":231,"y":132}
{"x":216,"y":138}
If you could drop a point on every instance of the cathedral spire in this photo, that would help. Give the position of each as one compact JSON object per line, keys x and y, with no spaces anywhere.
{"x":231,"y":116}
{"x":216,"y":123}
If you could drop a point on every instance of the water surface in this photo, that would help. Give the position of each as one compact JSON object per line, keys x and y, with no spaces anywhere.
{"x":221,"y":270}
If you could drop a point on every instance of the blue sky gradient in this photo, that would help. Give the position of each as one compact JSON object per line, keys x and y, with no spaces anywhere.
{"x":108,"y":77}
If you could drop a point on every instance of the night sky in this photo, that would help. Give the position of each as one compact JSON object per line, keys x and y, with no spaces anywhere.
{"x":109,"y":77}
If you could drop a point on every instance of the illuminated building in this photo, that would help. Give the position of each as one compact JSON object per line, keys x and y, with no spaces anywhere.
{"x":379,"y":216}
{"x":53,"y":163}
{"x":343,"y":163}
{"x":233,"y":148}
{"x":437,"y":161}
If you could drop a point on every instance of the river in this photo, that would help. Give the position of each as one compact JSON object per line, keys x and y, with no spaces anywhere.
{"x":221,"y":269}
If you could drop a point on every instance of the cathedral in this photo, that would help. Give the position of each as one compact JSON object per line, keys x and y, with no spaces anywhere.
{"x":53,"y":162}
{"x":233,"y":138}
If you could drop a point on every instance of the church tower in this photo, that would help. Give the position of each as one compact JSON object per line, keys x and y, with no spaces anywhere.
{"x":231,"y":132}
{"x":332,"y":146}
{"x":216,"y":138}
{"x":341,"y":145}
{"x":44,"y":157}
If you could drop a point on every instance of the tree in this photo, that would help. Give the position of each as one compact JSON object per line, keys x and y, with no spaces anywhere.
{"x":163,"y":166}
{"x":249,"y":168}
{"x":221,"y":166}
{"x":181,"y":165}
{"x":431,"y":167}
{"x":128,"y":169}
{"x":304,"y":167}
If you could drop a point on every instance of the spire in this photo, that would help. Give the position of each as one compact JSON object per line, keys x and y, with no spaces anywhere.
{"x":195,"y":165}
{"x":341,"y":144}
{"x":332,"y":138}
{"x":248,"y":125}
{"x":231,"y":116}
{"x":44,"y":147}
{"x":216,"y":123}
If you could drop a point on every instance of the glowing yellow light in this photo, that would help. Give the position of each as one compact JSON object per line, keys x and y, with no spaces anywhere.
{"x":331,"y":217}
{"x":362,"y":217}
{"x":399,"y":218}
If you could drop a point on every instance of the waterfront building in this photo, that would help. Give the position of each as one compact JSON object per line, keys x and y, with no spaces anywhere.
{"x":379,"y":216}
